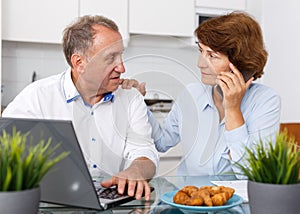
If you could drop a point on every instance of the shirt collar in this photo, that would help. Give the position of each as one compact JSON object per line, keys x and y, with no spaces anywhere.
{"x":206,"y":100}
{"x":108,"y":97}
{"x":72,"y":94}
{"x":70,"y":90}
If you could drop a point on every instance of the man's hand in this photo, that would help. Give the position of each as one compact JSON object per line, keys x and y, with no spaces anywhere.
{"x":129,"y":83}
{"x":135,"y":177}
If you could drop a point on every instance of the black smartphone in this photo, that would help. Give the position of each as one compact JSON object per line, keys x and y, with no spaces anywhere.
{"x":246,"y":75}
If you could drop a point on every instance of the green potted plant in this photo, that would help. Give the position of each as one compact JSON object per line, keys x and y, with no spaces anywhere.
{"x":273,"y":176}
{"x":22,"y":167}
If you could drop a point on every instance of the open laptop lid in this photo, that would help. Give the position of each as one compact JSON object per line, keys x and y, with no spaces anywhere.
{"x":69,"y":181}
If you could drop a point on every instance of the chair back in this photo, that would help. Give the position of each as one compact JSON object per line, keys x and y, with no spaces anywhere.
{"x":293,"y":129}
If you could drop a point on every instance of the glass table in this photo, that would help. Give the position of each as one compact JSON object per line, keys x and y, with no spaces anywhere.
{"x":162,"y":185}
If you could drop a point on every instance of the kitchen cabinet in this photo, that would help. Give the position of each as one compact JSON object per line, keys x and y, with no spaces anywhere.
{"x":44,"y":21}
{"x":37,"y":20}
{"x":221,"y":4}
{"x":162,"y":17}
{"x":117,"y":10}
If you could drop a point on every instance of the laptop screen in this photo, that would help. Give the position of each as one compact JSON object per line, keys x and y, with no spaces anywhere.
{"x":69,"y":181}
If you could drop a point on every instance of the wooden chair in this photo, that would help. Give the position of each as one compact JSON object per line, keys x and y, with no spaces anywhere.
{"x":293,"y":129}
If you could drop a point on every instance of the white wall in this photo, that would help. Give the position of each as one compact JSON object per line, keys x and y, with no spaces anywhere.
{"x":280,"y":20}
{"x":20,"y":60}
{"x":254,"y":7}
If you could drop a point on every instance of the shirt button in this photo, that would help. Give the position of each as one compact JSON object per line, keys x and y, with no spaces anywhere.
{"x":94,"y":166}
{"x":93,"y":139}
{"x":92,"y":113}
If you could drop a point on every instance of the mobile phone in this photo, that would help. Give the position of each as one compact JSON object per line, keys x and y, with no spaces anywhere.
{"x":246,"y":76}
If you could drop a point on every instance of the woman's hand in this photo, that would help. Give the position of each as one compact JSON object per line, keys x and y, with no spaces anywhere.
{"x":129,"y":83}
{"x":234,"y":88}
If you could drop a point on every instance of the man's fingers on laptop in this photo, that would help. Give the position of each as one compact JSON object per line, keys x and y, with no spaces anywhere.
{"x":107,"y":183}
{"x":131,"y":187}
{"x":121,"y":185}
{"x":139,"y":190}
{"x":147,"y":190}
{"x":142,"y":187}
{"x":110,"y":182}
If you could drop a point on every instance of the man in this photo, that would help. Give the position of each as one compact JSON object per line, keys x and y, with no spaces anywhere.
{"x":111,"y":123}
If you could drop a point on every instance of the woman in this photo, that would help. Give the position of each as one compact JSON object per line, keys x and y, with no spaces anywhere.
{"x":218,"y":117}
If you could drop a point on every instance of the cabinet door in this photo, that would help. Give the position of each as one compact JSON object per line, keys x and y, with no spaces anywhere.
{"x":162,"y":17}
{"x":221,"y":4}
{"x":116,"y":10}
{"x":37,"y":20}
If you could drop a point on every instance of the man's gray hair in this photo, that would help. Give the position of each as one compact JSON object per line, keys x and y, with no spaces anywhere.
{"x":78,"y":37}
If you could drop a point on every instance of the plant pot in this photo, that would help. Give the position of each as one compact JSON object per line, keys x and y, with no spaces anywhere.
{"x":25,"y":202}
{"x":273,"y":198}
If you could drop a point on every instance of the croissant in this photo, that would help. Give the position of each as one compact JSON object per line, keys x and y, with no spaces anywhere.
{"x":219,"y":199}
{"x":206,"y":197}
{"x":203,"y":196}
{"x":188,"y":196}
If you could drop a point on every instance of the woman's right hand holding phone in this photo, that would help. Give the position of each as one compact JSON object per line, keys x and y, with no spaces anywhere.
{"x":234,"y":88}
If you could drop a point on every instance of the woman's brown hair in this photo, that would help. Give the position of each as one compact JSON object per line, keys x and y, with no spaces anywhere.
{"x":238,"y":36}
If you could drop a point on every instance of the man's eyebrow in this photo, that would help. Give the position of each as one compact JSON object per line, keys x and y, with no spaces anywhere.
{"x":115,"y":53}
{"x":108,"y":55}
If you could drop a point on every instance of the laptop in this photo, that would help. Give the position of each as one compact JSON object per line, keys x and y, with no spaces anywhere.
{"x":69,"y":181}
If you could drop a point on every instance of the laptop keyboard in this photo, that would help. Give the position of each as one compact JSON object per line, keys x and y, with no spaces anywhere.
{"x":108,"y":193}
{"x":109,"y":197}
